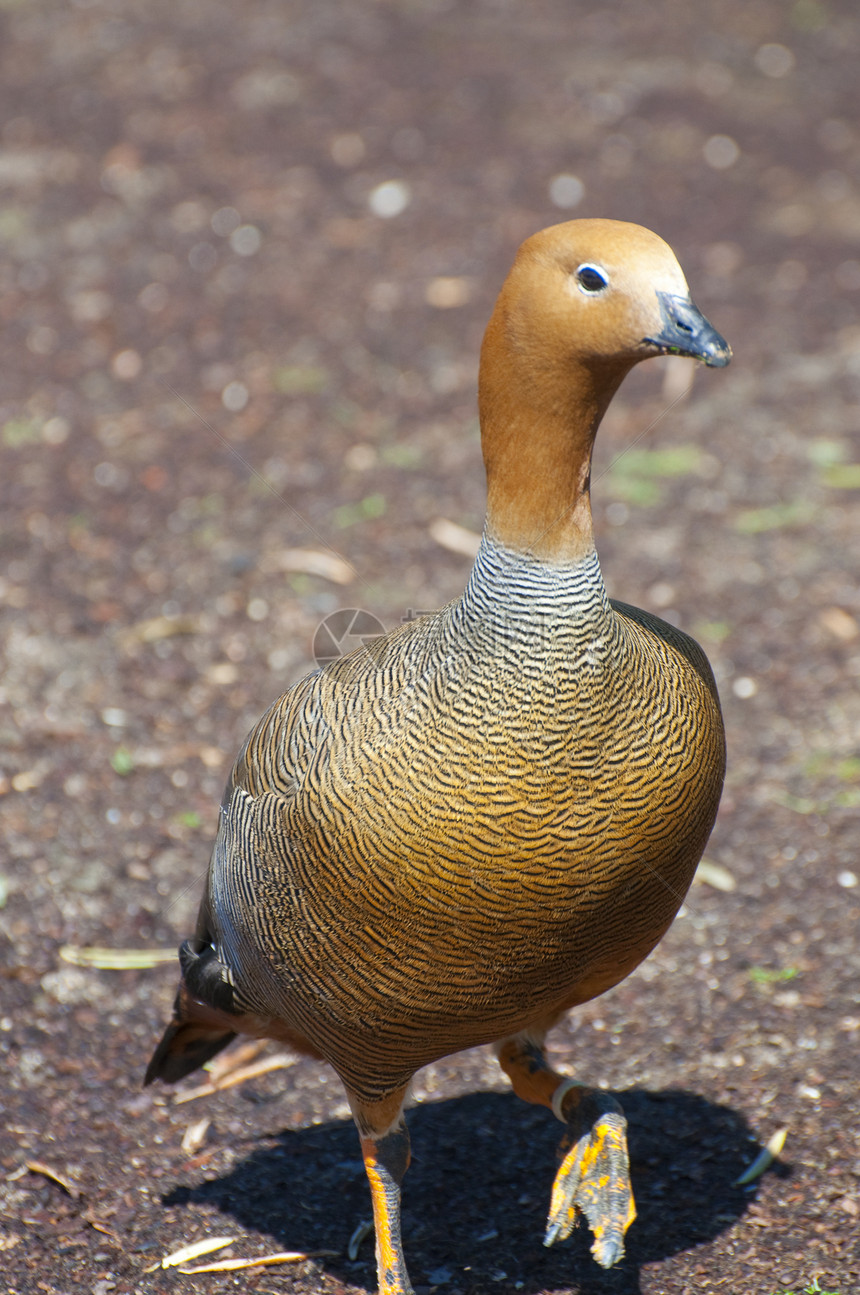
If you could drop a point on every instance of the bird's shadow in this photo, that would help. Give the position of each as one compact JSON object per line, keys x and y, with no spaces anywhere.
{"x":476,"y":1194}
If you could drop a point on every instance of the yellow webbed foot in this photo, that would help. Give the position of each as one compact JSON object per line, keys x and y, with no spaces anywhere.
{"x":594,"y":1176}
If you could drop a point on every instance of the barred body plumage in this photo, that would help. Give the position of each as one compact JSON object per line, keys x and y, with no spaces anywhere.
{"x":488,"y":816}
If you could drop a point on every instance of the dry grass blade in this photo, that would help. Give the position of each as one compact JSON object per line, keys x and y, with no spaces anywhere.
{"x":263,"y":1261}
{"x":314,"y":562}
{"x":240,"y":1054}
{"x":195,"y":1250}
{"x":39,"y":1167}
{"x":763,"y":1160}
{"x":157,"y":628}
{"x":457,"y":539}
{"x":280,"y":1062}
{"x":713,"y":874}
{"x":99,"y":959}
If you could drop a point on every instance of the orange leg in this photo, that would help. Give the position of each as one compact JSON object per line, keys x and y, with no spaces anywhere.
{"x":386,"y":1159}
{"x":594,"y":1176}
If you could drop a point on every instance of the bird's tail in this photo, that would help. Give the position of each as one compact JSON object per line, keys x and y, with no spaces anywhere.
{"x":195,"y":1034}
{"x":189,"y":1041}
{"x":202,"y":1021}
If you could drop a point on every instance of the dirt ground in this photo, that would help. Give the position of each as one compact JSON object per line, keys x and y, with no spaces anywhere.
{"x":248,"y":251}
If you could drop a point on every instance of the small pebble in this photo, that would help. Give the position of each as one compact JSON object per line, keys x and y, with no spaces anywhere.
{"x":126,"y":365}
{"x":246,"y":240}
{"x":566,"y":190}
{"x":774,"y":60}
{"x":56,"y":430}
{"x":225,"y":221}
{"x":721,"y":152}
{"x":203,"y":258}
{"x":234,"y":397}
{"x":391,"y":198}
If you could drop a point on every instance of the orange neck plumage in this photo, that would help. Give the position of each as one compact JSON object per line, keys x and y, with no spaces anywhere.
{"x":539,"y":417}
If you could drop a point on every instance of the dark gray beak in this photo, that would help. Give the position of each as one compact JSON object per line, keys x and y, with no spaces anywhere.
{"x":685,"y":331}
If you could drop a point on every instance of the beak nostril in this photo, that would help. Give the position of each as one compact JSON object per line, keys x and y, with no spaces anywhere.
{"x":679,"y":320}
{"x":687,"y":332}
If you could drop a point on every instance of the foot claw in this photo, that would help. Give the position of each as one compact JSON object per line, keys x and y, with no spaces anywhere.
{"x":594,"y":1177}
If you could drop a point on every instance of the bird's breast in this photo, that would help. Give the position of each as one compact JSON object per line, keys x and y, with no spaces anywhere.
{"x":515,"y":810}
{"x":468,"y":844}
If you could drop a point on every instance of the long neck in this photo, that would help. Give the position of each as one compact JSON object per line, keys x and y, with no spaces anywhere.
{"x":538,"y":423}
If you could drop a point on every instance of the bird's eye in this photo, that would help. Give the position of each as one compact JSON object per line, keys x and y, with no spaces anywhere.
{"x":590,"y":279}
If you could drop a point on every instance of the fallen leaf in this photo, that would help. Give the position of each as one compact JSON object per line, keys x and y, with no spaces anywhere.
{"x":39,"y":1167}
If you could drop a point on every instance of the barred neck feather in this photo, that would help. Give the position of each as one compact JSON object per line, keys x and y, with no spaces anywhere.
{"x":505,"y":583}
{"x":517,"y":600}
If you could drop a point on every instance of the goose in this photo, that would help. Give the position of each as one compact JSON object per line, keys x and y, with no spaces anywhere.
{"x":491,"y":814}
